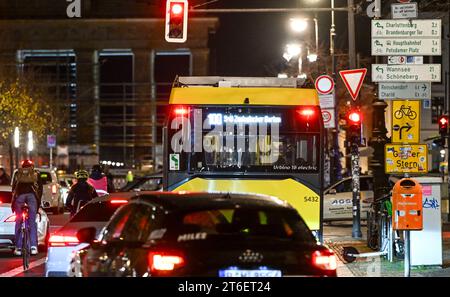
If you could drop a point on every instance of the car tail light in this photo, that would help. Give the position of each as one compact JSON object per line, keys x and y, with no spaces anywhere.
{"x":54,"y":189}
{"x":181,"y":110}
{"x":119,"y":201}
{"x":63,"y":240}
{"x":11,"y":218}
{"x":165,"y":261}
{"x":324,"y":259}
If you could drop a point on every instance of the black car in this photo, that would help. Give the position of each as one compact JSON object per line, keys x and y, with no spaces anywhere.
{"x":205,"y":234}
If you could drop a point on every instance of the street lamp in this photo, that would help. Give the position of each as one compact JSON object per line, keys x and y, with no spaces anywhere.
{"x":30,"y":146}
{"x":298,"y":25}
{"x":17,"y":144}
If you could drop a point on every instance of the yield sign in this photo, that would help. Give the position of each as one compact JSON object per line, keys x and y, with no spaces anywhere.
{"x":353,"y":80}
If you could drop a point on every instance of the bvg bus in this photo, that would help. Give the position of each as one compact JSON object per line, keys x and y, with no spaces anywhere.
{"x":247,"y":135}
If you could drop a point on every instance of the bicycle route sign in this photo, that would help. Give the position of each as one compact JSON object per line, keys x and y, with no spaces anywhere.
{"x":406,"y":158}
{"x":406,"y":121}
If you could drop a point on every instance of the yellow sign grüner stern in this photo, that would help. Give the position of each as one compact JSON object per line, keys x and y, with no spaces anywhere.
{"x":406,"y":158}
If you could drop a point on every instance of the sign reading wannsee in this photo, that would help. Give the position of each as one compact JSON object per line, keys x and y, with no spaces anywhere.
{"x":406,"y":73}
{"x":406,"y":28}
{"x":404,"y":90}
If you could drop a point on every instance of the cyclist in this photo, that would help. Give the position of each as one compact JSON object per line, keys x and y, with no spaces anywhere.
{"x":27,"y":189}
{"x":99,"y":180}
{"x":81,"y":191}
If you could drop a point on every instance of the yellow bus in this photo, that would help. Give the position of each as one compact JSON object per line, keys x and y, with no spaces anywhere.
{"x":246,"y":135}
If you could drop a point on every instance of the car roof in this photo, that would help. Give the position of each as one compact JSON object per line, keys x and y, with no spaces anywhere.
{"x":197,"y":200}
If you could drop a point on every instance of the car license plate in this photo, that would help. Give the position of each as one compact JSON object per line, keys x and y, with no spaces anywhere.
{"x":249,"y":273}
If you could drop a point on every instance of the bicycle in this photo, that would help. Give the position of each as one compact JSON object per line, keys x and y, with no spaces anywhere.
{"x":405,"y":111}
{"x":25,"y":234}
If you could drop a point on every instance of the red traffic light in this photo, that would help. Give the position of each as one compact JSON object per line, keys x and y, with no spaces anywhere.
{"x":354,"y":117}
{"x":176,"y":9}
{"x":443,"y":120}
{"x":176,"y":21}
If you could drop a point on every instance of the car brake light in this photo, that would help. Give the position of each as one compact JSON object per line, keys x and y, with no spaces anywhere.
{"x":119,"y":201}
{"x":54,"y":189}
{"x":63,"y":240}
{"x":182,"y":111}
{"x":165,"y":261}
{"x":11,"y":218}
{"x":325,"y":260}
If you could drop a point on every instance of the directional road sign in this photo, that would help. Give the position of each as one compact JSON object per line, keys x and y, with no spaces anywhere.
{"x":404,"y":90}
{"x":406,"y":73}
{"x":406,"y":28}
{"x":406,"y":121}
{"x":406,"y":46}
{"x":406,"y":158}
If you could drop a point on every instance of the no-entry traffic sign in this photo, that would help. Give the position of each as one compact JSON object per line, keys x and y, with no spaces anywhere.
{"x":324,"y":84}
{"x":353,"y":80}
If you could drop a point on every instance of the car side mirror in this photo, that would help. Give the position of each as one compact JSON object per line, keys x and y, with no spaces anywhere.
{"x":87,"y":235}
{"x":332,"y":191}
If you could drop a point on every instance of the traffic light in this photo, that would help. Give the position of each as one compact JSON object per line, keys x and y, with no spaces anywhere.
{"x":354,"y":120}
{"x":443,"y":125}
{"x":176,"y":20}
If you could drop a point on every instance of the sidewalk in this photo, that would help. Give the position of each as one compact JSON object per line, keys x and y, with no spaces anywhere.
{"x":338,"y":235}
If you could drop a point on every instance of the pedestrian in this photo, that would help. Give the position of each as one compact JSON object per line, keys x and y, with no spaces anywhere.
{"x":80,"y":193}
{"x":130,"y":177}
{"x":5,"y":180}
{"x":27,"y":190}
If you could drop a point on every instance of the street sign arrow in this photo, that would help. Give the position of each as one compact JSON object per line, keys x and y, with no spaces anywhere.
{"x":407,"y":127}
{"x":424,"y":87}
{"x":396,"y":127}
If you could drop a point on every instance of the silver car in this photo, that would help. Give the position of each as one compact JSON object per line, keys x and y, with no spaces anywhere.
{"x":338,"y":199}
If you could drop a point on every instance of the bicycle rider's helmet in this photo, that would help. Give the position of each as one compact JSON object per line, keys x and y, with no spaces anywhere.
{"x":27,"y":164}
{"x":82,"y":174}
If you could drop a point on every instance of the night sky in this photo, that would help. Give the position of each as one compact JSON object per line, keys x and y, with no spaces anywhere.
{"x":252,"y":44}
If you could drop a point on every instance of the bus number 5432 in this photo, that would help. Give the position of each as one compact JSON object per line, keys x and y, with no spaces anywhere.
{"x":311,"y":199}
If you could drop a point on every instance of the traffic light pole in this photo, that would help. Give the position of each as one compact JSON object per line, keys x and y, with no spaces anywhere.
{"x":356,"y":209}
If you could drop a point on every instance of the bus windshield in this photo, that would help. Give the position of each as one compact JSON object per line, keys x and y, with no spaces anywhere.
{"x":254,"y":139}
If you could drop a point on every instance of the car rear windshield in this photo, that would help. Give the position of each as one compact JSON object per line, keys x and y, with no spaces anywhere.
{"x":96,"y":212}
{"x":274,"y":223}
{"x":5,"y":197}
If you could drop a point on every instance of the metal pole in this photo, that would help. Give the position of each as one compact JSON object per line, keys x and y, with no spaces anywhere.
{"x":407,"y":254}
{"x":356,"y":229}
{"x":337,"y":168}
{"x":351,"y":35}
{"x":17,"y":158}
{"x":51,"y":157}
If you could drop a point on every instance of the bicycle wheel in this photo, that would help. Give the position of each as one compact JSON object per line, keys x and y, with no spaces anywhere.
{"x":25,"y":249}
{"x":398,"y":114}
{"x":412,"y":115}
